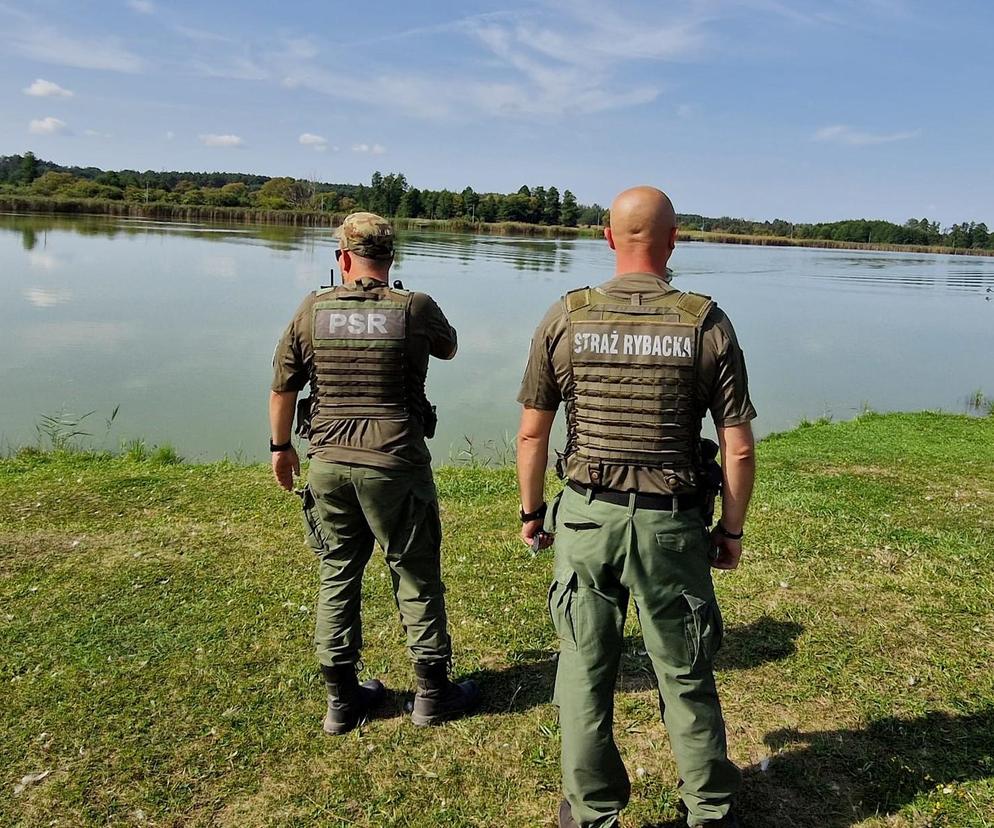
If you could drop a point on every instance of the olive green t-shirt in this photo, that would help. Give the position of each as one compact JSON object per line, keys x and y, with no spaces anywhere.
{"x":722,"y":381}
{"x":388,"y":444}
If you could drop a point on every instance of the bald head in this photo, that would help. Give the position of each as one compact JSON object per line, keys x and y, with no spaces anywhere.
{"x":642,"y":215}
{"x":642,"y":231}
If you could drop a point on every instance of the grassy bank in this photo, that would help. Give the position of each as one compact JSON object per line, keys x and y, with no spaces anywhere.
{"x":155,"y":623}
{"x":316,"y":218}
{"x":251,"y":215}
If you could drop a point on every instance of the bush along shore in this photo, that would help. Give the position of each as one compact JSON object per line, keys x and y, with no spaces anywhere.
{"x":155,"y":631}
{"x":161,"y":211}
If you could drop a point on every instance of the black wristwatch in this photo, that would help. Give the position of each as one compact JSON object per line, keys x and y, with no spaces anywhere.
{"x":281,"y":447}
{"x":538,"y":514}
{"x":730,"y":535}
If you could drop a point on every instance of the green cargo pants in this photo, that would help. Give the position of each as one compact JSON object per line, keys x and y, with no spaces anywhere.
{"x":604,"y":554}
{"x":346,"y":508}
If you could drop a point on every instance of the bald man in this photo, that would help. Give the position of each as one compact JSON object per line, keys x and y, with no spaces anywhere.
{"x":638,"y":365}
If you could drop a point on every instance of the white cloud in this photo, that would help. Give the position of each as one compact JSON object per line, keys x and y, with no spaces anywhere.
{"x":46,"y":89}
{"x":238,"y":67}
{"x":851,"y":137}
{"x":170,"y":135}
{"x":212,"y":140}
{"x":142,"y":6}
{"x":371,"y":149}
{"x":309,"y":139}
{"x":48,"y":45}
{"x":47,"y":126}
{"x":555,"y":58}
{"x":202,"y":35}
{"x":95,"y":133}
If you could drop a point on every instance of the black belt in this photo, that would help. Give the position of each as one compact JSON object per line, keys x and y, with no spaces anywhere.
{"x":642,"y":501}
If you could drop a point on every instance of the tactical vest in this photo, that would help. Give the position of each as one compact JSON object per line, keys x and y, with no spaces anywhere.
{"x":634,"y":368}
{"x":360,"y":342}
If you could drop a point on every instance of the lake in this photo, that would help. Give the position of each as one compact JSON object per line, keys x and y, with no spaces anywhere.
{"x":176,"y":325}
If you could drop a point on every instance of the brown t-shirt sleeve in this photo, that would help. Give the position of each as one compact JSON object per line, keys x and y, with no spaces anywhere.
{"x":539,"y":386}
{"x":724,"y":366}
{"x":429,"y":320}
{"x":289,"y":369}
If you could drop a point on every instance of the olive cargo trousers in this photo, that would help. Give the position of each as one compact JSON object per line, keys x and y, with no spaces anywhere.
{"x":604,"y":554}
{"x":346,"y":508}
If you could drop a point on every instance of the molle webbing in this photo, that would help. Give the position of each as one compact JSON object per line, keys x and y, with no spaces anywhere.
{"x":360,"y":354}
{"x":634,"y":365}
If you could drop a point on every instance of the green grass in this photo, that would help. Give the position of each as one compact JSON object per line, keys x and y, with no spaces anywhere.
{"x":155,"y":625}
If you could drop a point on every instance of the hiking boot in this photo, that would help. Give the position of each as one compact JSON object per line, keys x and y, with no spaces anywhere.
{"x":566,"y":816}
{"x":349,"y":702}
{"x":440,"y":700}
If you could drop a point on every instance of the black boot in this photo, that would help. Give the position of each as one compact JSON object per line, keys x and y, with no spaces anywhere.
{"x":566,"y":816}
{"x":438,"y":699}
{"x":348,"y":701}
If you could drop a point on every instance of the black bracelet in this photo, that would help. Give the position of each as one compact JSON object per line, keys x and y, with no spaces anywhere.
{"x":730,"y":535}
{"x":538,"y":514}
{"x":281,"y":447}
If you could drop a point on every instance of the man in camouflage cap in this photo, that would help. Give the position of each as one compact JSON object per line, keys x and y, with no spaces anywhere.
{"x":367,"y":235}
{"x":364,"y":347}
{"x":637,"y":364}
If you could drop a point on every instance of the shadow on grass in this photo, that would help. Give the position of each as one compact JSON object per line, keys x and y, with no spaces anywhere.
{"x":837,"y":778}
{"x":529,"y":681}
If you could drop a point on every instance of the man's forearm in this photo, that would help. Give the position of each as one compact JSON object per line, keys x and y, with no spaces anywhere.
{"x":739,"y":478}
{"x":533,"y":458}
{"x":738,"y":463}
{"x":282,"y":405}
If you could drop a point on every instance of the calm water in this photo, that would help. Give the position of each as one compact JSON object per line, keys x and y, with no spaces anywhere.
{"x":177,"y":324}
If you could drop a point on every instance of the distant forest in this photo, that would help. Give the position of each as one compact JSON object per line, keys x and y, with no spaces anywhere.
{"x":391,"y":195}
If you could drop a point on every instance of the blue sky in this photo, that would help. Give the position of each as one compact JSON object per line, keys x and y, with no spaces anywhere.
{"x":755,"y":108}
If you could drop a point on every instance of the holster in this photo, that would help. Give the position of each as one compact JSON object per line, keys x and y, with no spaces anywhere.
{"x":305,"y":412}
{"x":712,"y":478}
{"x":430,"y":420}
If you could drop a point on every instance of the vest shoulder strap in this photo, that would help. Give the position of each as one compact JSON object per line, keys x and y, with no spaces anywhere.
{"x":577,"y":299}
{"x":324,"y":290}
{"x":696,"y":304}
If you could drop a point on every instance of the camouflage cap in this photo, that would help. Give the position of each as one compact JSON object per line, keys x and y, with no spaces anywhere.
{"x":367,"y":235}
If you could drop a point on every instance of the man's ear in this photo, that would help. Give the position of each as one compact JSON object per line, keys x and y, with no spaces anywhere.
{"x":673,"y":235}
{"x":610,"y":237}
{"x":346,"y":261}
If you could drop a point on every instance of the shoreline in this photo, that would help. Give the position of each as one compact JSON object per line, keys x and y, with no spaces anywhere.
{"x":30,"y":205}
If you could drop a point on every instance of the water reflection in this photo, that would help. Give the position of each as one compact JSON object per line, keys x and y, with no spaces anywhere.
{"x":177,"y":323}
{"x":47,"y":297}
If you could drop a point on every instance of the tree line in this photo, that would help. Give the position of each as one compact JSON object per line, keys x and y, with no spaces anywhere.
{"x":392,"y":195}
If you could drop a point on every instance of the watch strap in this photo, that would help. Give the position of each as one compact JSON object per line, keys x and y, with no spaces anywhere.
{"x":538,"y":514}
{"x":730,"y":535}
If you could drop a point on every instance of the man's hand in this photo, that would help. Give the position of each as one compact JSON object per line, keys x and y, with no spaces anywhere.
{"x":533,"y":528}
{"x":727,"y":551}
{"x":286,"y":464}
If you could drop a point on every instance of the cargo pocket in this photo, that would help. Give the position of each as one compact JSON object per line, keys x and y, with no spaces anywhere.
{"x":562,"y":609}
{"x":703,"y":628}
{"x":312,"y":523}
